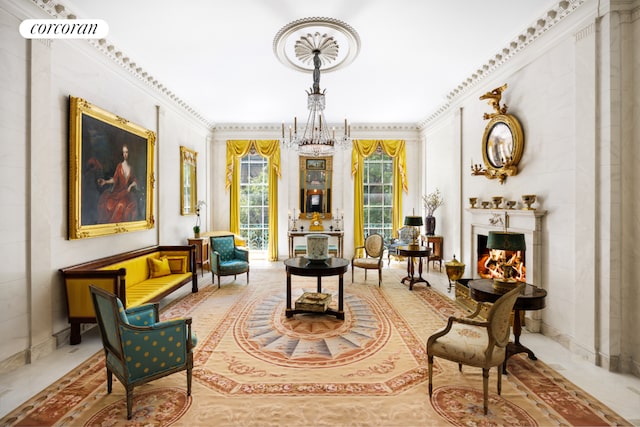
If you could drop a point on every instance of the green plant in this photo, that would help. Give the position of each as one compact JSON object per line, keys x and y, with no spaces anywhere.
{"x":196,"y":228}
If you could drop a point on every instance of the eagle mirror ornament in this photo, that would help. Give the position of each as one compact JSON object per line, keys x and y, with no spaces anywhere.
{"x":502,"y":142}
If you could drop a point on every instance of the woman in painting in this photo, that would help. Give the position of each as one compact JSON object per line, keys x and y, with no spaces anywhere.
{"x":119,"y":204}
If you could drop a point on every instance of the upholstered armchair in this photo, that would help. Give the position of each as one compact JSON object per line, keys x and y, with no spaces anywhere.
{"x":138,"y":347}
{"x":227,"y":259}
{"x":372,"y":260}
{"x":476,"y":342}
{"x":404,"y":239}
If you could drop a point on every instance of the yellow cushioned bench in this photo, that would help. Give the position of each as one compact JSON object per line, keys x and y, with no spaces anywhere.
{"x":137,"y":277}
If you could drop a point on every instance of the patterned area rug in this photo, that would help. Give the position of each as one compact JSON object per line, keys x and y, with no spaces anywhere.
{"x":253,"y":366}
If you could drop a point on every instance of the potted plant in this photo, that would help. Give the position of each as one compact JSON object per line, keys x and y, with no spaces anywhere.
{"x":196,"y":228}
{"x":431,"y":201}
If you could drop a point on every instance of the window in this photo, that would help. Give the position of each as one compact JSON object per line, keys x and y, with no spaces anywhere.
{"x":254,"y":201}
{"x":378,"y":194}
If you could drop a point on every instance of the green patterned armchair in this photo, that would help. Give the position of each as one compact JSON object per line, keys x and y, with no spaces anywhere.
{"x":227,"y":259}
{"x":138,"y":348}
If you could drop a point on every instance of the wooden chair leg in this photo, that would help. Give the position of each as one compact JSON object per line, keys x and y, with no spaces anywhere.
{"x":499,"y":379}
{"x":485,"y":389}
{"x":430,"y":359}
{"x":379,"y":276}
{"x":129,"y":401}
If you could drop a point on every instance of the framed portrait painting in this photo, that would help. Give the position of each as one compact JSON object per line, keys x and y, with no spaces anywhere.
{"x":111,"y":176}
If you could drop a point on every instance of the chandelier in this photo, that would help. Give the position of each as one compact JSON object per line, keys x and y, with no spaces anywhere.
{"x":320,"y":48}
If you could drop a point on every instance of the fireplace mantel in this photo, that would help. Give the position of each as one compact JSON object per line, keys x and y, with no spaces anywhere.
{"x":527,"y":222}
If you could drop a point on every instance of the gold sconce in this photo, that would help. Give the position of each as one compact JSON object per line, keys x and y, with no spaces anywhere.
{"x":502,"y":142}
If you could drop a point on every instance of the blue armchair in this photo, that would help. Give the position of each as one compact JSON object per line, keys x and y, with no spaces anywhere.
{"x":227,"y":259}
{"x":138,"y":348}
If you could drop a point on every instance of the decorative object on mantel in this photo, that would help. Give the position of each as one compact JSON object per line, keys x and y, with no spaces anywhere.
{"x":502,"y":142}
{"x":196,"y":228}
{"x":486,"y":204}
{"x":431,"y":201}
{"x":455,"y":270}
{"x":505,"y":241}
{"x":511,"y":204}
{"x":497,"y":201}
{"x":473,"y":201}
{"x":319,"y":48}
{"x":528,"y":200}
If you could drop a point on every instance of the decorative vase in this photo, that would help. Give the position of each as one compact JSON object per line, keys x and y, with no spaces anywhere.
{"x":430,"y":225}
{"x":196,"y":234}
{"x":317,"y":247}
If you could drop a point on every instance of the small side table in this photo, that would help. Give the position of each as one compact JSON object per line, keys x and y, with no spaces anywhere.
{"x":300,"y":266}
{"x":412,"y":252}
{"x":202,"y":252}
{"x":531,"y":299}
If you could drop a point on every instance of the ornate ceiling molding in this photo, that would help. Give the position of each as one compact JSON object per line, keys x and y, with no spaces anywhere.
{"x":337,"y":41}
{"x":58,"y":10}
{"x":528,"y":36}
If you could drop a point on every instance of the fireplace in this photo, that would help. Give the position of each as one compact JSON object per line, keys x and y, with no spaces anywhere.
{"x":488,"y":261}
{"x":527,"y":222}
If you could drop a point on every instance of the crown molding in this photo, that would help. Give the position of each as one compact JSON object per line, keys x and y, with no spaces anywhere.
{"x":58,"y":10}
{"x":537,"y":28}
{"x":276,"y":128}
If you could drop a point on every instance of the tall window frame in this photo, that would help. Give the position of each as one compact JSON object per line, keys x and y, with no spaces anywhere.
{"x":378,"y":194}
{"x":361,"y":149}
{"x":254,"y":201}
{"x":237,"y":149}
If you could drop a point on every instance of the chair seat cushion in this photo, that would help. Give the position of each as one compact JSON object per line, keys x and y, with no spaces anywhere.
{"x":466,"y":344}
{"x":370,"y":263}
{"x":233,"y":266}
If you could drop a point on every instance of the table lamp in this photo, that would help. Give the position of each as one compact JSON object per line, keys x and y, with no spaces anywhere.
{"x":505,"y":241}
{"x":415,"y":222}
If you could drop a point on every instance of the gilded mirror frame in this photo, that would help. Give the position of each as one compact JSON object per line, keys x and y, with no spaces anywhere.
{"x":315,"y":186}
{"x":188,"y":181}
{"x":502,"y":146}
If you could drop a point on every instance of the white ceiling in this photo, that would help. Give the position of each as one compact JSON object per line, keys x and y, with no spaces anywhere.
{"x":217,"y":56}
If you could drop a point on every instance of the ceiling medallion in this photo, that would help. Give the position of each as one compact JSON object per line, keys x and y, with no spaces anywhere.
{"x":294,"y":45}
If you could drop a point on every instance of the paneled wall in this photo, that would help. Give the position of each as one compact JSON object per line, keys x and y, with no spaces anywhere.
{"x":36,"y":80}
{"x":574,"y":91}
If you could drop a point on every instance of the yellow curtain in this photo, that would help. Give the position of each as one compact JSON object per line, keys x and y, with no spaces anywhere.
{"x":363,"y":148}
{"x":270,"y":149}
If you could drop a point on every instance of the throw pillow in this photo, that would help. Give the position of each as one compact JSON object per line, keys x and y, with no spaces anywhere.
{"x":177,"y":264}
{"x":159,"y":267}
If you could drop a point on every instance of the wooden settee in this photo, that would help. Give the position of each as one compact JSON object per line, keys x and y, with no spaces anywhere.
{"x":130,"y":276}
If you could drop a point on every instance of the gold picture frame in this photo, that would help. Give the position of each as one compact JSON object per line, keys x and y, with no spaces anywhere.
{"x":188,"y":181}
{"x":111,"y":173}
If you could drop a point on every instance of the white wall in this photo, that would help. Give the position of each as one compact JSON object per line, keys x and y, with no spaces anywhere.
{"x":569,"y":90}
{"x":36,"y":80}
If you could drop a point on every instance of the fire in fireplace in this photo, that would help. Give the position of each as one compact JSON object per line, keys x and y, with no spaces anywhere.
{"x":489,"y":261}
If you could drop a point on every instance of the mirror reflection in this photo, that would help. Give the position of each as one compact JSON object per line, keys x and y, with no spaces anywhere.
{"x":315,"y":186}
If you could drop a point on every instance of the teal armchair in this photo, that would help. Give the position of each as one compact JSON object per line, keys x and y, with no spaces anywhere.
{"x":138,"y":347}
{"x":227,"y":259}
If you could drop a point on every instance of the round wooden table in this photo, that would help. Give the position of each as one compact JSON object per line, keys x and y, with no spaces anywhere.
{"x":301,"y":266}
{"x":532,"y":298}
{"x":412,"y":252}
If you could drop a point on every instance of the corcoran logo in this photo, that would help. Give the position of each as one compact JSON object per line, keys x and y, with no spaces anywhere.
{"x":64,"y":29}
